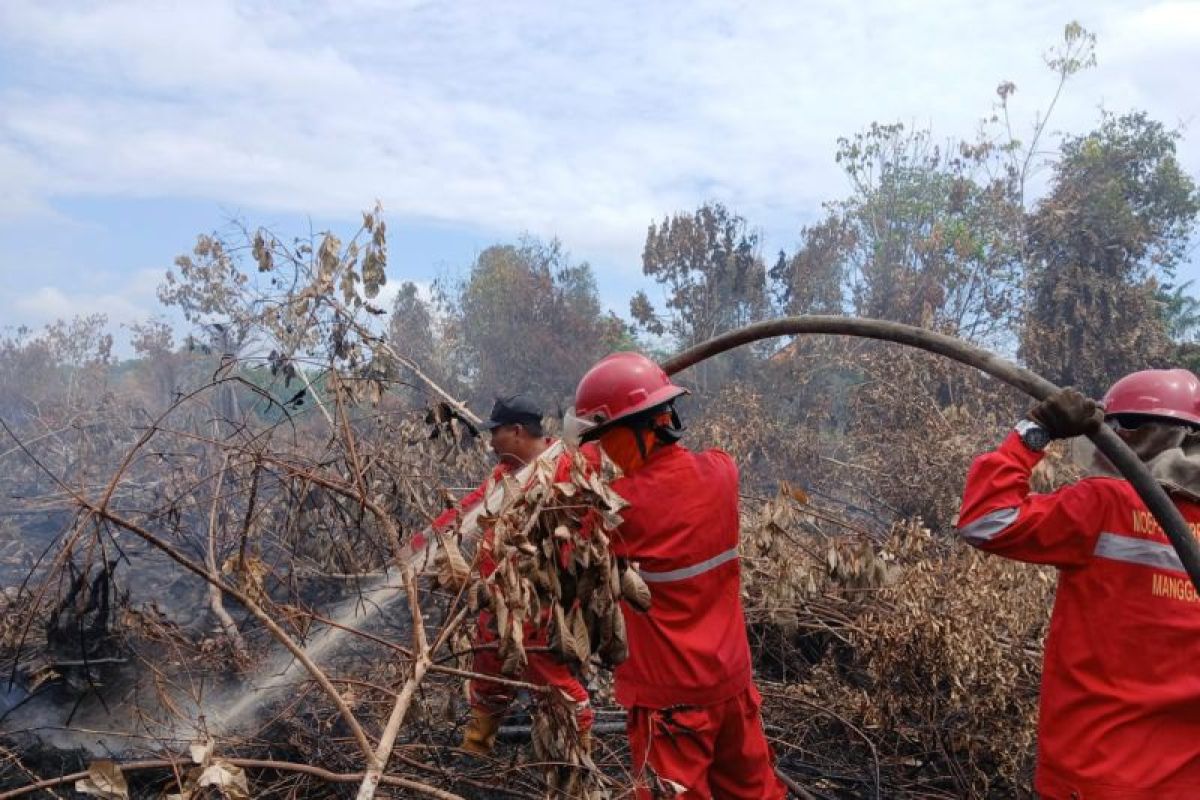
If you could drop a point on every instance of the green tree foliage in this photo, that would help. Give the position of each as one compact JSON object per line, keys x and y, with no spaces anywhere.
{"x":1115,"y":223}
{"x":810,"y":281}
{"x":714,"y":280}
{"x":411,"y":325}
{"x":931,"y":234}
{"x":709,"y":264}
{"x":927,"y":237}
{"x":411,"y":331}
{"x":527,"y":319}
{"x":1181,"y":312}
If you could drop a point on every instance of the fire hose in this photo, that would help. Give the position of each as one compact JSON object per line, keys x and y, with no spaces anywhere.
{"x":1175,"y":527}
{"x":1106,"y":440}
{"x":1178,"y":532}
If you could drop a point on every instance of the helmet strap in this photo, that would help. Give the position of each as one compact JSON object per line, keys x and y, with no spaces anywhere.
{"x":649,"y":431}
{"x":669,"y":434}
{"x":664,"y":432}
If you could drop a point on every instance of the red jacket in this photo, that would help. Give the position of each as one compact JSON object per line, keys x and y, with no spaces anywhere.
{"x":1120,"y":701}
{"x":538,"y":633}
{"x":469,"y":501}
{"x":681,"y":526}
{"x":444,"y":520}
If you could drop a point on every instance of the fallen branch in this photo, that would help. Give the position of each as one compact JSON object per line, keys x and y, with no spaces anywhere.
{"x":373,"y":341}
{"x":280,"y":635}
{"x":420,"y":665}
{"x":215,"y":600}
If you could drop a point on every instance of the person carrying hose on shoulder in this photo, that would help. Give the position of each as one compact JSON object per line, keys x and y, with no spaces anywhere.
{"x":693,"y":710}
{"x":517,"y":439}
{"x":1120,"y":697}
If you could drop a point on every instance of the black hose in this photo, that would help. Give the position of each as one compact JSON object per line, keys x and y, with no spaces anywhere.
{"x":1130,"y":466}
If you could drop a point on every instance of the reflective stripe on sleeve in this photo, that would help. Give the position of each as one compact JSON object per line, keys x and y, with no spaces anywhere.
{"x":989,"y":526}
{"x":689,"y":572}
{"x":1116,"y":547}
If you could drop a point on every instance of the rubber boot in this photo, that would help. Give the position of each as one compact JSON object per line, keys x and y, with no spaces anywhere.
{"x":480,"y":734}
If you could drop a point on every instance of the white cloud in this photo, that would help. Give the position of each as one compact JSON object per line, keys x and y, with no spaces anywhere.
{"x":45,"y":302}
{"x":22,"y":195}
{"x":585,"y":122}
{"x":123,"y":299}
{"x":389,"y":291}
{"x":1162,"y":40}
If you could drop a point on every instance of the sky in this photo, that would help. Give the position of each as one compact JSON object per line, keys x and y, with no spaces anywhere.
{"x":128,"y":127}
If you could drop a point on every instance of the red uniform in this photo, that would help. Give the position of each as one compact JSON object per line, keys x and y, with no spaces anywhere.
{"x":693,"y":709}
{"x":543,"y":669}
{"x":1120,"y":700}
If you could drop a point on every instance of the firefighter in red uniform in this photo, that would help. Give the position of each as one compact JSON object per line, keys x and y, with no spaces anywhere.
{"x":517,"y":439}
{"x":1120,"y":699}
{"x":693,"y":709}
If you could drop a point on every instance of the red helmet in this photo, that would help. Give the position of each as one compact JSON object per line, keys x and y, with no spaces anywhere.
{"x":619,"y":386}
{"x":1170,"y":393}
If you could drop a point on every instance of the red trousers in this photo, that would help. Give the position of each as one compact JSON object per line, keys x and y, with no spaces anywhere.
{"x":543,"y":670}
{"x":717,"y":751}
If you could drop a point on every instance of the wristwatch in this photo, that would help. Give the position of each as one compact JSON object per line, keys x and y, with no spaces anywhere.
{"x":1033,"y":435}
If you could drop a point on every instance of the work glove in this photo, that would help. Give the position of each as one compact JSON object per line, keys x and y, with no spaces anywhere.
{"x":1068,"y":413}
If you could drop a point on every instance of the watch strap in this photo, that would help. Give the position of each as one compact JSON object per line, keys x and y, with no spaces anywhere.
{"x":1032,"y":434}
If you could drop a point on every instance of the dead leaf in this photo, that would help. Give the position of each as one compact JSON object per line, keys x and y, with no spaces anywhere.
{"x":579,"y":633}
{"x":201,"y":751}
{"x":453,"y":570}
{"x":796,"y":493}
{"x":42,"y":675}
{"x":251,"y":573}
{"x":615,"y":649}
{"x":634,"y":590}
{"x":105,"y":780}
{"x":229,"y":779}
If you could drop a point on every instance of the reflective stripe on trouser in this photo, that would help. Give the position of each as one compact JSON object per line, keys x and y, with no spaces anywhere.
{"x":709,"y":751}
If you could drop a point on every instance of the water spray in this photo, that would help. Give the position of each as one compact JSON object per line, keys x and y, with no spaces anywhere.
{"x":421,"y":548}
{"x":286,"y":669}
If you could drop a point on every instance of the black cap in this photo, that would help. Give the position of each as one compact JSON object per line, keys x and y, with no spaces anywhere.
{"x":510,"y":410}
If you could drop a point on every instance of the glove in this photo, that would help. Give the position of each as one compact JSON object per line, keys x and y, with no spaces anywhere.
{"x":1068,"y":413}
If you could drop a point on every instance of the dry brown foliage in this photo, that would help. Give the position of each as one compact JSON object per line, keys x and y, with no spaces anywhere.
{"x":894,"y":661}
{"x":174,"y":558}
{"x":906,"y":667}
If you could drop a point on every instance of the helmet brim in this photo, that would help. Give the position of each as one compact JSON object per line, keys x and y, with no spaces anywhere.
{"x":589,"y":427}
